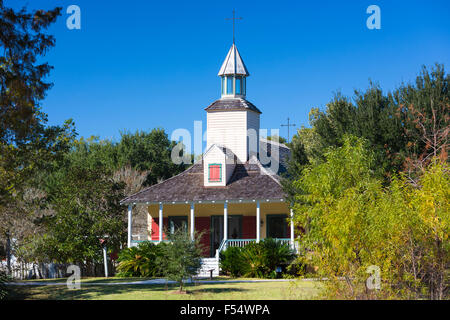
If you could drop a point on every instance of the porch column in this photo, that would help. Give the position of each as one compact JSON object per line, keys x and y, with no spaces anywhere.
{"x":225,"y":221}
{"x":258,"y":222}
{"x":160,"y":222}
{"x":292,"y":229}
{"x":192,"y":221}
{"x":130,"y":217}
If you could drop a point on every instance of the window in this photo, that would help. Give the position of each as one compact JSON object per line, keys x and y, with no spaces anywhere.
{"x":178,"y":223}
{"x":277,"y":226}
{"x":238,"y":85}
{"x":229,"y":85}
{"x":223,"y":85}
{"x":215,"y":173}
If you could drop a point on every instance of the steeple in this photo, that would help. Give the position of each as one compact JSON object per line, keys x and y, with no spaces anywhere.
{"x":232,"y":121}
{"x":233,"y":75}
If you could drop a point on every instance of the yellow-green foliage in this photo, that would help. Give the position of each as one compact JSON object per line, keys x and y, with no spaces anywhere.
{"x":352,"y":222}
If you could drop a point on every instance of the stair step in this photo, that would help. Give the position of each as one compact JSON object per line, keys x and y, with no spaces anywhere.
{"x":207,"y":265}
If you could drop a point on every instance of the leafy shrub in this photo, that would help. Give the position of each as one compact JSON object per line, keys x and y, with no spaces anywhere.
{"x":258,"y":260}
{"x":178,"y":259}
{"x":181,"y":257}
{"x":3,"y":289}
{"x":355,"y":222}
{"x":297,"y":268}
{"x":277,"y":254}
{"x":140,"y":261}
{"x":255,"y":261}
{"x":232,"y":261}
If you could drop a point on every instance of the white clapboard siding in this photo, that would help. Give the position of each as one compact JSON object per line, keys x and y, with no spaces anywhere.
{"x":229,"y":129}
{"x":253,"y":123}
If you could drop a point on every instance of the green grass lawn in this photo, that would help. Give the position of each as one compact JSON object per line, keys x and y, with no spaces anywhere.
{"x":202,"y":291}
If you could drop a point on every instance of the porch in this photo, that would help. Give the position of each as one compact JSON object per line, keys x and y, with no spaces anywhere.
{"x":221,"y":224}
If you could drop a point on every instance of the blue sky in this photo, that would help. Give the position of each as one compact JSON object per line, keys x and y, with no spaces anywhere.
{"x":136,"y":65}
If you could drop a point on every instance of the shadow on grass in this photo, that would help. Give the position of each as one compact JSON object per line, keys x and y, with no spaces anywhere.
{"x":151,"y":291}
{"x":216,"y":290}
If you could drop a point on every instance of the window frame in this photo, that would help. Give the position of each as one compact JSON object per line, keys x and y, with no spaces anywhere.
{"x":223,"y":82}
{"x":240,"y":85}
{"x":171,"y":220}
{"x":285,"y":223}
{"x":220,"y":172}
{"x":230,"y":80}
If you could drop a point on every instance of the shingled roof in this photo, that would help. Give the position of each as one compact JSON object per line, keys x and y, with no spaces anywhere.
{"x":250,"y":181}
{"x":232,"y":104}
{"x":233,"y":64}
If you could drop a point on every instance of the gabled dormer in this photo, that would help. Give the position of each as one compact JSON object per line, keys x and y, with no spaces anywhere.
{"x":218,"y":166}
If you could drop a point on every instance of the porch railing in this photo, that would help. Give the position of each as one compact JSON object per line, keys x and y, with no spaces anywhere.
{"x":134,"y":243}
{"x":243,"y":242}
{"x":226,"y":243}
{"x":239,"y":242}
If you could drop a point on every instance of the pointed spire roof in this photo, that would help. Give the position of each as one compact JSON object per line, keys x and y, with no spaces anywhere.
{"x":233,"y":63}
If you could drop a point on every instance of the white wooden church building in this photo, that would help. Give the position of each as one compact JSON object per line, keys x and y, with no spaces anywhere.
{"x":233,"y":193}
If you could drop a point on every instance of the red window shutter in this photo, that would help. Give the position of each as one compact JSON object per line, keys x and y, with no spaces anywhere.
{"x":214,"y":172}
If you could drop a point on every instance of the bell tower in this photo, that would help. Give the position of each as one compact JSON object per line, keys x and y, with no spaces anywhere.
{"x":232,"y":121}
{"x":233,"y":74}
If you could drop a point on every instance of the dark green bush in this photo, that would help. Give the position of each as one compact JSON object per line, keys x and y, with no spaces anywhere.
{"x":181,"y":257}
{"x":259,"y":260}
{"x":3,"y":288}
{"x":256,"y":264}
{"x":140,"y":261}
{"x":232,"y":261}
{"x":277,"y":254}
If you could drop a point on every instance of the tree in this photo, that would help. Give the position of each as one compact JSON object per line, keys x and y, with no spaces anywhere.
{"x":277,"y":138}
{"x":425,"y":110}
{"x":27,"y":145}
{"x":181,"y":257}
{"x":404,"y":128}
{"x":142,"y":151}
{"x":353,"y":222}
{"x":430,"y":230}
{"x":148,"y":151}
{"x":133,"y":181}
{"x":84,"y":204}
{"x":369,"y":116}
{"x":82,"y":194}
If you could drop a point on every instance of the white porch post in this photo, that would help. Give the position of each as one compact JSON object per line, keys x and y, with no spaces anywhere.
{"x":160,"y":222}
{"x":225,"y":221}
{"x":292,"y":229}
{"x":105,"y":261}
{"x":258,"y":221}
{"x":129,"y":225}
{"x":192,"y":221}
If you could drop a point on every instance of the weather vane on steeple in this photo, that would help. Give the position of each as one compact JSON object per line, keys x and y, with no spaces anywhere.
{"x":233,"y":19}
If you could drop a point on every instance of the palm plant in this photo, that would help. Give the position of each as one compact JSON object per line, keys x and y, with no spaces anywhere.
{"x":263,"y":258}
{"x":139,"y":261}
{"x":277,"y":253}
{"x":255,"y":266}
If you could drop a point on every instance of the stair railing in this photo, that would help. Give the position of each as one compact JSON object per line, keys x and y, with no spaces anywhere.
{"x":222,"y":246}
